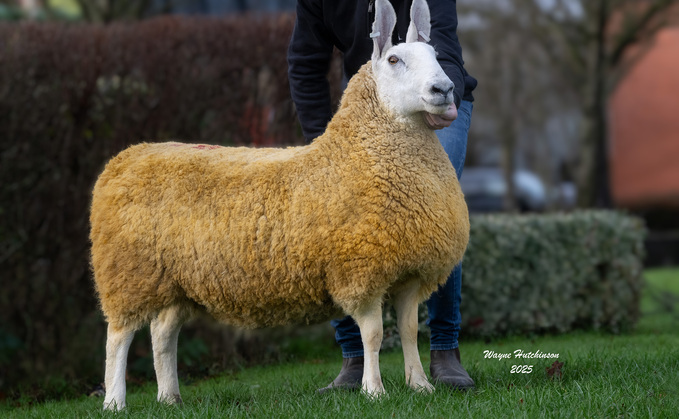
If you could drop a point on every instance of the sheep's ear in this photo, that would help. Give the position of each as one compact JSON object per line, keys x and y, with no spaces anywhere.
{"x":383,"y":27}
{"x":420,"y":22}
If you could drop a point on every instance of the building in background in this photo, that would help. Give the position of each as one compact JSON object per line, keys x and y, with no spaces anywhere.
{"x":644,"y":128}
{"x":644,"y":145}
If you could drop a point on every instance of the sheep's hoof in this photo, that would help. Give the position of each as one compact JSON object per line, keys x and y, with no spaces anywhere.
{"x":423,"y":387}
{"x":374,"y":392}
{"x":171,"y":399}
{"x":113,"y":405}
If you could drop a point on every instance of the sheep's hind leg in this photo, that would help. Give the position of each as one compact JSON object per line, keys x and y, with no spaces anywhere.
{"x":369,"y":320}
{"x":164,"y":335}
{"x":405,"y":303}
{"x":118,"y":342}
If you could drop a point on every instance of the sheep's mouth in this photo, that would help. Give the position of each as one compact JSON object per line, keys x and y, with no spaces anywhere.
{"x":437,"y":106}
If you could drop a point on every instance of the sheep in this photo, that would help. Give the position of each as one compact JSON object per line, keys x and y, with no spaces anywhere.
{"x":264,"y":237}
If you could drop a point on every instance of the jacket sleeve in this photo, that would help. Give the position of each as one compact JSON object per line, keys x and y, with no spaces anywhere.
{"x":444,"y":39}
{"x":309,"y":56}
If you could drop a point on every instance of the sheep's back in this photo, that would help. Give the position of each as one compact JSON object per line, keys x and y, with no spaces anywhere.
{"x":213,"y":225}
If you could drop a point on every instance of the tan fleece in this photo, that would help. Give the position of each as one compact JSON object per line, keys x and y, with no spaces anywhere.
{"x":265,"y":237}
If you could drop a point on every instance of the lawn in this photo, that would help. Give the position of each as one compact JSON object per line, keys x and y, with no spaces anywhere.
{"x":603,"y":375}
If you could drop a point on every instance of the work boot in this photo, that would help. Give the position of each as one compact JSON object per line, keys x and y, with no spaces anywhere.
{"x":349,"y":377}
{"x":445,"y":368}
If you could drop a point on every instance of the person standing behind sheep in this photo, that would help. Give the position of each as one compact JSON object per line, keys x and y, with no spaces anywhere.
{"x":322,"y":25}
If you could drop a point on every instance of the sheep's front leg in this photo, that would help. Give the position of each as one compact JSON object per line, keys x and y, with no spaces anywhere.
{"x":369,"y":320}
{"x":118,"y":342}
{"x":405,"y":303}
{"x":164,"y":335}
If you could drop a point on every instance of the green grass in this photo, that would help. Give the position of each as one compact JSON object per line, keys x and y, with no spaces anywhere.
{"x":630,"y":375}
{"x":660,"y":301}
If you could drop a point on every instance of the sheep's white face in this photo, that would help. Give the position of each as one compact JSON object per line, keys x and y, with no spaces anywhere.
{"x":409,"y":79}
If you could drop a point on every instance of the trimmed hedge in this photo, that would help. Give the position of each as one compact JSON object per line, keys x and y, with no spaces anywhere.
{"x":559,"y":272}
{"x":549,"y":273}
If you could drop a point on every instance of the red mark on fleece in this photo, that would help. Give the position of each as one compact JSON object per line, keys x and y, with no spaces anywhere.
{"x":197,"y":146}
{"x":206,"y":147}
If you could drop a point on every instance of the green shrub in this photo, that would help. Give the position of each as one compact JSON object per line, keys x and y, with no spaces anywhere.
{"x":549,"y":273}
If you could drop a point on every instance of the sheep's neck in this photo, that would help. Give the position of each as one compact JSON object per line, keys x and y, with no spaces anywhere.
{"x":363,"y":121}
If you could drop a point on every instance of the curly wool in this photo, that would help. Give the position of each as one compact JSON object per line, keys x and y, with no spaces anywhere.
{"x":264,"y":237}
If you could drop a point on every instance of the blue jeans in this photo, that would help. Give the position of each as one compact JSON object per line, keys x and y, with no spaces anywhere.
{"x":444,"y":305}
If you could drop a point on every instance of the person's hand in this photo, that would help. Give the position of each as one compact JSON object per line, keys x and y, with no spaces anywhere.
{"x":443,"y":120}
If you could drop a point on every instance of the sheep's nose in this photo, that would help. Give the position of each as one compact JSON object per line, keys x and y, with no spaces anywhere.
{"x":442,"y":89}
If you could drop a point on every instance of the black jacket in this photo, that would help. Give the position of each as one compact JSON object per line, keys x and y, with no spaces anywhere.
{"x":346,"y":24}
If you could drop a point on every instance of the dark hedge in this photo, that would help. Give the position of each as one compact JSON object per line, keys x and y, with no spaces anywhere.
{"x":71,"y":97}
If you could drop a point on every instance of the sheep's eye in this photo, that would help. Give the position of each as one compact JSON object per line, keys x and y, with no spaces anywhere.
{"x":393,"y":60}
